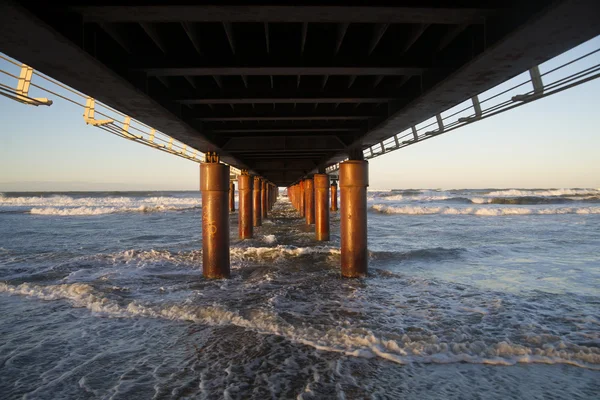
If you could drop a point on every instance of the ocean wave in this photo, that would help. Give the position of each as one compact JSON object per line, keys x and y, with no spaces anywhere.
{"x":63,"y":205}
{"x":70,"y":211}
{"x":544,"y":192}
{"x":280,"y":252}
{"x":436,"y":253}
{"x":416,"y":197}
{"x":532,"y":200}
{"x":401,"y":347}
{"x":481,"y":211}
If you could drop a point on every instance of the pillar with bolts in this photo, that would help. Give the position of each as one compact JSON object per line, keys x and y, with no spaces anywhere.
{"x":231,"y":196}
{"x":321,"y":183}
{"x":214,"y":184}
{"x":245,"y":222}
{"x":301,"y":198}
{"x":264,"y":201}
{"x":354,"y":180}
{"x":309,"y":201}
{"x":257,"y":201}
{"x":334,"y":206}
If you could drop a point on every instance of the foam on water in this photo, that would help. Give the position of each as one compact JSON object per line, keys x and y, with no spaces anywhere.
{"x":355,"y":342}
{"x":549,"y":192}
{"x":62,"y":205}
{"x":482,"y":211}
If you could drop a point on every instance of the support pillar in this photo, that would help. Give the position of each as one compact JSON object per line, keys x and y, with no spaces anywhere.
{"x":265,"y":202}
{"x":214,"y":184}
{"x":309,"y":201}
{"x":231,"y":196}
{"x":334,"y":206}
{"x":321,"y":207}
{"x":245,"y":222}
{"x":301,"y":198}
{"x":354,"y":180}
{"x":257,"y":217}
{"x":295,"y":197}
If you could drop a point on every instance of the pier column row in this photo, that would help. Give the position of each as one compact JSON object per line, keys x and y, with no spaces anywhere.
{"x":257,"y":201}
{"x":309,"y":201}
{"x":301,"y":199}
{"x":214,"y":184}
{"x":264,"y":200}
{"x":354,"y":180}
{"x":231,"y":196}
{"x":293,"y":195}
{"x":245,"y":218}
{"x":321,"y":183}
{"x":334,"y":206}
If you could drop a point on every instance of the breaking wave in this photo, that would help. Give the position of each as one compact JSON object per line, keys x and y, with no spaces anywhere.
{"x":104,"y":210}
{"x":482,"y":211}
{"x":401,"y":347}
{"x":534,"y":200}
{"x":545,"y":192}
{"x":62,"y":205}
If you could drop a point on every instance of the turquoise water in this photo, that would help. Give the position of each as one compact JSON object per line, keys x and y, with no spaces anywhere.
{"x":471,"y":294}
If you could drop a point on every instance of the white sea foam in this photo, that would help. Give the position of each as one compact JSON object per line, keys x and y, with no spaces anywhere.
{"x":269,"y":239}
{"x":280,"y":251}
{"x":80,"y":294}
{"x":62,"y":211}
{"x":549,"y":192}
{"x":482,"y":211}
{"x":355,"y":342}
{"x":62,"y":205}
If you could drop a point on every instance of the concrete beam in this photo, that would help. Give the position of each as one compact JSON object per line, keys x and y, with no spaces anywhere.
{"x":262,"y":13}
{"x":282,"y":71}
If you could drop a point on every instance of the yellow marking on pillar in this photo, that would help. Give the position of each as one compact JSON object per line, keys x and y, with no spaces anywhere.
{"x":212,"y":229}
{"x":152,"y":133}
{"x":23,"y":88}
{"x":88,"y":114}
{"x":171,"y":144}
{"x":183,"y":150}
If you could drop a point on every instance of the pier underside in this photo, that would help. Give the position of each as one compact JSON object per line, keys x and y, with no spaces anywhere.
{"x":285,"y":91}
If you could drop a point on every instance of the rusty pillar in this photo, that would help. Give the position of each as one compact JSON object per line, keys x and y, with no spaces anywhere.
{"x":354,"y":180}
{"x":214,"y":184}
{"x":296,"y":204}
{"x":274,"y":193}
{"x":245,"y":222}
{"x":309,"y":202}
{"x":231,"y":196}
{"x":301,"y":198}
{"x":257,"y":217}
{"x":265,"y":201}
{"x":294,"y":198}
{"x":334,"y":206}
{"x":321,"y":207}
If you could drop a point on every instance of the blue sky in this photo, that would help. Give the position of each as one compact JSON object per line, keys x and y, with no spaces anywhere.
{"x":553,"y":142}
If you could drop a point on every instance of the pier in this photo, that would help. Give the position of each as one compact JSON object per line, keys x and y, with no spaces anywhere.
{"x":269,"y":97}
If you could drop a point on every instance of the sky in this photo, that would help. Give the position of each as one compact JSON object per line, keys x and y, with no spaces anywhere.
{"x":550,"y":143}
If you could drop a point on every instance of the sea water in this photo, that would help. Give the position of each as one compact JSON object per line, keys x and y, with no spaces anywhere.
{"x":471,"y":294}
